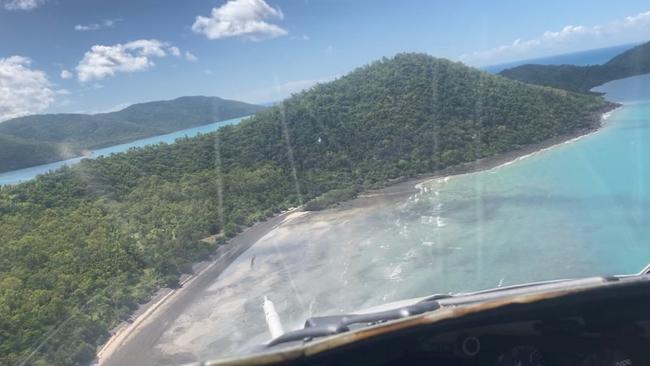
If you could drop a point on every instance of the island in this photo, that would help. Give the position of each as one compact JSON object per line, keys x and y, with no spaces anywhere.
{"x":583,"y":78}
{"x":84,"y":245}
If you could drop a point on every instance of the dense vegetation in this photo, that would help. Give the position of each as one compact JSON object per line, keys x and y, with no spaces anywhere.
{"x":40,"y":139}
{"x":83,"y":245}
{"x":635,"y":61}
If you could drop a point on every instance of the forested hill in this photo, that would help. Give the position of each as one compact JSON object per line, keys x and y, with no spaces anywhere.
{"x":635,"y":61}
{"x":40,"y":139}
{"x":83,"y":245}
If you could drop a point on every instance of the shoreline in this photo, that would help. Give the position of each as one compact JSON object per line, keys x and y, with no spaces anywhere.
{"x":410,"y":185}
{"x":209,"y":269}
{"x":171,"y":300}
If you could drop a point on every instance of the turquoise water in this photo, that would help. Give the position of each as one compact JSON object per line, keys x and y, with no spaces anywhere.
{"x":582,"y":208}
{"x":22,"y":175}
{"x":576,"y":210}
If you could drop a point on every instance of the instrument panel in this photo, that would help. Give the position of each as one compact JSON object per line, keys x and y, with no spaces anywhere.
{"x":537,"y":344}
{"x":572,"y":352}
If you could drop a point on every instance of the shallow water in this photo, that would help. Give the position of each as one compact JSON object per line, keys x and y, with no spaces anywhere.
{"x":579,"y":209}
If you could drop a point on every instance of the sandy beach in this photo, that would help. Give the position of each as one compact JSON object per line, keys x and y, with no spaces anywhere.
{"x":132,"y":343}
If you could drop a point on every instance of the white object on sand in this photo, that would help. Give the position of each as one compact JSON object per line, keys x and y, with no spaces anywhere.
{"x":272,"y":318}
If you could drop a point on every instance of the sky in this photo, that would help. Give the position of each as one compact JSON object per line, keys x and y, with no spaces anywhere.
{"x":93,"y":56}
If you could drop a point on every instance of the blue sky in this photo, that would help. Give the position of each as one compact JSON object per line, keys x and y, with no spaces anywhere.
{"x":97,"y":55}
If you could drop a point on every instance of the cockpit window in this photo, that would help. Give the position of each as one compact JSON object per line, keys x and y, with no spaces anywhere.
{"x":184,"y":181}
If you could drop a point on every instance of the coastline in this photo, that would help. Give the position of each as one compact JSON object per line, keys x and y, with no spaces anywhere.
{"x":410,"y":185}
{"x":167,"y":304}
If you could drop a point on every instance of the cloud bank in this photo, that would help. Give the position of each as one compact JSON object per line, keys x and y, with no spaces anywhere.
{"x":570,"y":38}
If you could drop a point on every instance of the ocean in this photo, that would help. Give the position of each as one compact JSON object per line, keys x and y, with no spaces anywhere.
{"x":578,"y":209}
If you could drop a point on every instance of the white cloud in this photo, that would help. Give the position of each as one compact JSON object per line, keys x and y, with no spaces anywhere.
{"x":104,"y":61}
{"x":110,"y":23}
{"x":106,"y":23}
{"x":65,"y":74}
{"x":281,"y":90}
{"x":88,"y":27}
{"x":149,"y":47}
{"x":569,"y":38}
{"x":175,"y":51}
{"x":23,"y":90}
{"x":21,"y":4}
{"x":240,"y":18}
{"x":189,"y":56}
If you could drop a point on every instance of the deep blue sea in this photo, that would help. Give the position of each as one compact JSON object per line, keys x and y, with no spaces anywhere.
{"x":22,"y":175}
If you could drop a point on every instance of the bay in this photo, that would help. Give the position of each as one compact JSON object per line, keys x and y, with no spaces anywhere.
{"x":23,"y":175}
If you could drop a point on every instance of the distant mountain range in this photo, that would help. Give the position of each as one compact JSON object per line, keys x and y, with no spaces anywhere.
{"x":594,"y":56}
{"x":635,"y":61}
{"x":39,"y":139}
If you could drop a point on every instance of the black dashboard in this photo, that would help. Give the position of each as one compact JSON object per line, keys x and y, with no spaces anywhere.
{"x":535,"y":343}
